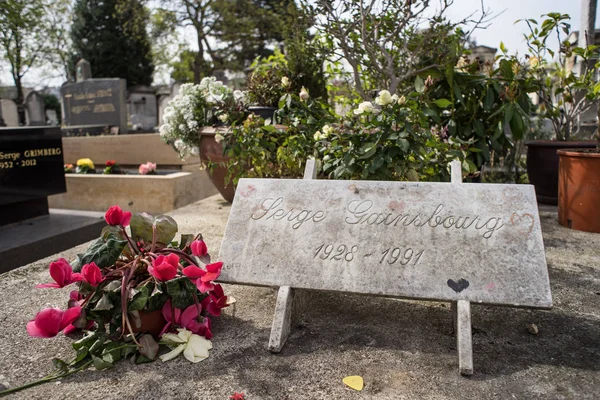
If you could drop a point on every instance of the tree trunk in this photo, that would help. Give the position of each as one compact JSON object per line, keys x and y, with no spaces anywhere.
{"x":20,"y":100}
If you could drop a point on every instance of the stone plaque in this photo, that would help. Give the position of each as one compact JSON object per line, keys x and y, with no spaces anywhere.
{"x":480,"y":243}
{"x":95,"y":102}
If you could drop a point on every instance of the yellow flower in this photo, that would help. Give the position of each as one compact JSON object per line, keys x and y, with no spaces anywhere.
{"x":85,"y":162}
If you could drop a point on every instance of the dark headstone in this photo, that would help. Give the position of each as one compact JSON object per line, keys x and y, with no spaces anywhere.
{"x":31,"y":168}
{"x":95,"y":102}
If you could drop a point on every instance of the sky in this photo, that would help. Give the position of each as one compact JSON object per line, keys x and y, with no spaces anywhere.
{"x":502,"y":28}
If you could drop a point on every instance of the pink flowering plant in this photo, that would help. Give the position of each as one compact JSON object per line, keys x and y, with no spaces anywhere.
{"x":126,"y":279}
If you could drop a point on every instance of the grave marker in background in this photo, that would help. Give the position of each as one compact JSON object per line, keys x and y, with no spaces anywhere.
{"x":95,"y":102}
{"x":35,"y":106}
{"x":454,"y":242}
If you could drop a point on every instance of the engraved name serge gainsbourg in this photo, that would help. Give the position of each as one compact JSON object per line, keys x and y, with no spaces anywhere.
{"x":361,"y":212}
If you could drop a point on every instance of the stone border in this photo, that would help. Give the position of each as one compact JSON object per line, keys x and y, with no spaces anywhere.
{"x":136,"y":193}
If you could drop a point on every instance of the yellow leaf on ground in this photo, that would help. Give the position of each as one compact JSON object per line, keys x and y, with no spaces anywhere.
{"x":355,"y":382}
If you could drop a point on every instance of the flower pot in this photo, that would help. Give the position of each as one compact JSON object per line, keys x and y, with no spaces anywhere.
{"x":579,"y":189}
{"x":152,"y":322}
{"x":542,"y":166}
{"x":212,"y":151}
{"x":263,"y":111}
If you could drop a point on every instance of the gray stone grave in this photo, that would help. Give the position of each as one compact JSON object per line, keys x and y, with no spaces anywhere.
{"x":462,"y":243}
{"x":10,"y":112}
{"x":35,"y":106}
{"x":95,"y":102}
{"x":142,"y":108}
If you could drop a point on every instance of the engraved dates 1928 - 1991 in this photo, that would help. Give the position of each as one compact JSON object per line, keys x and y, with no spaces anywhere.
{"x":392,"y":255}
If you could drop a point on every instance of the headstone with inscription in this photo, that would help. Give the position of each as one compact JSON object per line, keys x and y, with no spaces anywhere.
{"x":31,"y":169}
{"x":462,"y":243}
{"x":35,"y":106}
{"x":95,"y":102}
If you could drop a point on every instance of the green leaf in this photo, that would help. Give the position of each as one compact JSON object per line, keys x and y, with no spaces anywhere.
{"x":412,"y":175}
{"x":404,"y":144}
{"x":86,"y":342}
{"x":101,"y":364}
{"x":141,"y":359}
{"x":112,"y":353}
{"x":104,"y":252}
{"x":517,"y":126}
{"x":140,"y":299}
{"x":443,"y":103}
{"x":104,"y":304}
{"x":367,"y":150}
{"x":60,"y":365}
{"x":181,"y":292}
{"x":186,"y":240}
{"x":142,"y":223}
{"x":502,"y":47}
{"x":419,"y":85}
{"x":479,"y":128}
{"x":488,"y":102}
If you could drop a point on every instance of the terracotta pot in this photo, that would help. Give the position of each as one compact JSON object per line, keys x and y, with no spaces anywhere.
{"x":579,"y":189}
{"x":542,"y":166}
{"x":152,"y":322}
{"x":212,"y":151}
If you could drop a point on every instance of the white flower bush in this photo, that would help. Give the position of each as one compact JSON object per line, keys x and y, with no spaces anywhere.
{"x":194,"y":107}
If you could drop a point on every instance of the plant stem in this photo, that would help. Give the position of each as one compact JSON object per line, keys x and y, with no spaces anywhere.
{"x":48,"y":378}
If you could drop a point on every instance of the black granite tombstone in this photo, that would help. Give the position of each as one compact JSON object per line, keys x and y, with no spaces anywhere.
{"x":31,"y":168}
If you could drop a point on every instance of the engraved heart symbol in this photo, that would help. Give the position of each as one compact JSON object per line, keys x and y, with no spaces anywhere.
{"x":526,"y":219}
{"x":459,"y":286}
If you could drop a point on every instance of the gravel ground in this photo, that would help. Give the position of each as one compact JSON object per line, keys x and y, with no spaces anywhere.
{"x":402,"y":349}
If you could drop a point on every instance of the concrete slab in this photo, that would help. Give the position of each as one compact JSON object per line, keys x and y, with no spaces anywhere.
{"x":402,"y":349}
{"x":30,"y":240}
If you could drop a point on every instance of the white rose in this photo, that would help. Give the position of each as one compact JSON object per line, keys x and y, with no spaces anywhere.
{"x":179,"y":145}
{"x":304,"y":94}
{"x":384,"y":98}
{"x":327,"y":130}
{"x":285,"y":81}
{"x":218,"y":138}
{"x":365,"y":107}
{"x":223,"y":117}
{"x":318,"y":136}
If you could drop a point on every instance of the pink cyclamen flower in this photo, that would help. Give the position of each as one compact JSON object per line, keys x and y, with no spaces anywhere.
{"x":48,"y":322}
{"x":203,"y":278}
{"x":199,"y":248}
{"x":187,"y":318}
{"x":62,"y":273}
{"x":116,"y":216}
{"x":91,"y":274}
{"x":164,"y":268}
{"x":218,"y":301}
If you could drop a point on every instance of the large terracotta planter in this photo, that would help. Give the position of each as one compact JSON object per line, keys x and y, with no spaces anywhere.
{"x":542,"y":166}
{"x":212,"y":151}
{"x":579,"y":189}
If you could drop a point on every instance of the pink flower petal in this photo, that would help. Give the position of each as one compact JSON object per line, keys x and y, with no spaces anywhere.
{"x":69,"y":316}
{"x":126,"y":218}
{"x":173,"y":259}
{"x":189,"y":315}
{"x":48,"y":285}
{"x":193,"y":272}
{"x":34,"y":331}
